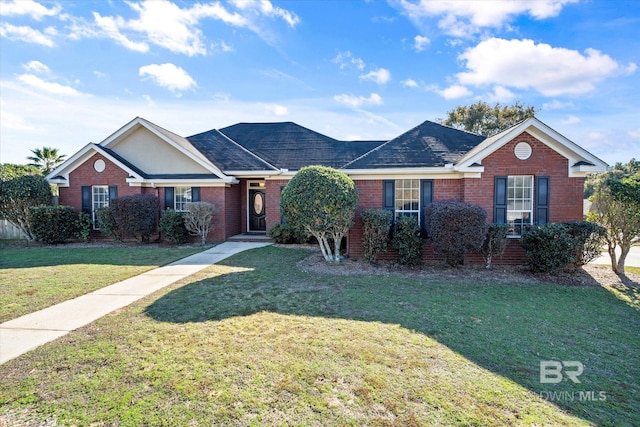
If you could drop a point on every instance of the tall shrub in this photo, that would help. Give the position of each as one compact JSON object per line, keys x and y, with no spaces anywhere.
{"x":407,"y":240}
{"x":548,"y":247}
{"x":494,"y":243}
{"x":456,"y":228}
{"x":52,"y":224}
{"x":376,"y":224}
{"x":588,"y":238}
{"x":17,"y":195}
{"x":136,"y":216}
{"x":83,"y":226}
{"x":322,"y":201}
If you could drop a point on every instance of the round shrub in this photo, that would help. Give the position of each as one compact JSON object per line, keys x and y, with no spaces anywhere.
{"x":52,"y":224}
{"x":548,"y":247}
{"x":136,"y":215}
{"x":173,"y":228}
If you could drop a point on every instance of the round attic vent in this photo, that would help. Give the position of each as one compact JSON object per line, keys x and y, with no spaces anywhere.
{"x":522,"y":151}
{"x":99,"y":165}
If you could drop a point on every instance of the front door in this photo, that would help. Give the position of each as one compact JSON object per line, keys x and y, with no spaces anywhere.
{"x":257,"y":213}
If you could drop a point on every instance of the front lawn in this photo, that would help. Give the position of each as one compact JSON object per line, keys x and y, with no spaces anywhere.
{"x":33,"y":278}
{"x":257,"y":341}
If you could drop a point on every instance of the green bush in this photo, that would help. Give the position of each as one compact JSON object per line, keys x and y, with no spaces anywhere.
{"x":52,"y":224}
{"x":282,"y":233}
{"x":376,"y":225}
{"x":83,"y":226}
{"x":322,"y":202}
{"x":136,"y":216}
{"x":407,"y":240}
{"x":548,"y":247}
{"x":456,"y":228}
{"x":494,"y":243}
{"x":588,"y":240}
{"x":173,"y":228}
{"x":107,"y":223}
{"x":18,"y":194}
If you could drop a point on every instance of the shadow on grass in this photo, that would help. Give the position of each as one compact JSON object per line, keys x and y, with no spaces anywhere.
{"x":506,"y":328}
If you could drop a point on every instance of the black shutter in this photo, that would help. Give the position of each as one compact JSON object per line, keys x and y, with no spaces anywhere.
{"x":542,"y":200}
{"x":426,"y":197}
{"x":195,"y":194}
{"x":86,"y":199}
{"x":500,"y":200}
{"x":168,"y":198}
{"x":389,"y":196}
{"x":113,"y":192}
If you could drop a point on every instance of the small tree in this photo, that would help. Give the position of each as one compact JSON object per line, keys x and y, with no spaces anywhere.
{"x":456,"y":228}
{"x":322,"y":201}
{"x":494,"y":243}
{"x":616,"y":206}
{"x":19,"y":194}
{"x":376,"y":224}
{"x":198,"y":219}
{"x":487,"y":120}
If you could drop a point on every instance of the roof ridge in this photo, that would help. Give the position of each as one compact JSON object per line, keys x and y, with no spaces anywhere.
{"x":248,"y":151}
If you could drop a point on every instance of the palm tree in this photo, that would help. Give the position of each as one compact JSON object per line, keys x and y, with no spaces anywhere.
{"x":46,"y":159}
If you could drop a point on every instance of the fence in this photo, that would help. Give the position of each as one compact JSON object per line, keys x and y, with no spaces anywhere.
{"x":9,"y":231}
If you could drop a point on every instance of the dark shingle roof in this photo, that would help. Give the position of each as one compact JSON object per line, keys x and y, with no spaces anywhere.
{"x":287,"y":145}
{"x":426,"y":145}
{"x":226,"y":154}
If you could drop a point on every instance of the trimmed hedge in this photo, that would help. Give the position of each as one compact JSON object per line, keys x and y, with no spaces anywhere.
{"x":376,"y":225}
{"x":52,"y":224}
{"x":83,"y":226}
{"x":131,"y":216}
{"x":456,"y":228}
{"x":407,"y":240}
{"x":173,"y":228}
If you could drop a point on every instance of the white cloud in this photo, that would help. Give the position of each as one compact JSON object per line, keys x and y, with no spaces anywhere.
{"x":265,"y":7}
{"x":420,"y":43}
{"x":557,"y":105}
{"x":275,"y":109}
{"x":452,"y":92}
{"x":523,"y":64}
{"x":466,"y":18}
{"x":347,"y":60}
{"x":380,"y":76}
{"x":358,"y":101}
{"x":634,"y":134}
{"x":501,"y":94}
{"x":49,"y":87}
{"x":36,"y":67}
{"x":571,"y":120}
{"x":13,"y":121}
{"x":168,"y":76}
{"x":409,"y":83}
{"x":110,"y":28}
{"x":28,"y":7}
{"x":27,"y":34}
{"x":221,"y":46}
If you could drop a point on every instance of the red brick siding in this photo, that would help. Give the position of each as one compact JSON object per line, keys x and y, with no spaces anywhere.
{"x":272,"y":194}
{"x":233,"y":211}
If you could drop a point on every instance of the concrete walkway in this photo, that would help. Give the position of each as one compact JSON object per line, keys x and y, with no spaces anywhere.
{"x":632,"y":260}
{"x":25,"y":333}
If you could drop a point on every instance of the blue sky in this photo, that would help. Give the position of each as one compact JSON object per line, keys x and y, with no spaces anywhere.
{"x":73,"y":72}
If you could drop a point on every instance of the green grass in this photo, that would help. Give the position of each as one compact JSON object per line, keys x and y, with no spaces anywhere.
{"x":33,"y":278}
{"x":256,"y":341}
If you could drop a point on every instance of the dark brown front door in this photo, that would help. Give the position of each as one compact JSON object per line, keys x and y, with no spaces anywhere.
{"x":257,"y":211}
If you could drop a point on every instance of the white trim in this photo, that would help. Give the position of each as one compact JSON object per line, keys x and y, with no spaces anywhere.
{"x":249,"y":188}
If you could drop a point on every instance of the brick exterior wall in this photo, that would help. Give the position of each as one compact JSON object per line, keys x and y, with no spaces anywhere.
{"x":272,"y":194}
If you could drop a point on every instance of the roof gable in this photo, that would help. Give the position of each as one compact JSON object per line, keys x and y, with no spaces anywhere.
{"x":426,"y":145}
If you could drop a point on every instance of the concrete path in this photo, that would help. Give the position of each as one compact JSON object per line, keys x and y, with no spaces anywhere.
{"x":632,"y":260}
{"x":25,"y":333}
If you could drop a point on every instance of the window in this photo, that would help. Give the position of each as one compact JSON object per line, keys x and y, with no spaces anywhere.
{"x":182,"y":197}
{"x":408,"y":198}
{"x":519,"y":203}
{"x":99,"y":199}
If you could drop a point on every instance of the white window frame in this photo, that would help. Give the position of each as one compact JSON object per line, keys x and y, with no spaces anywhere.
{"x":181,"y":196}
{"x":99,"y":200}
{"x":405,"y":190}
{"x":520,"y":203}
